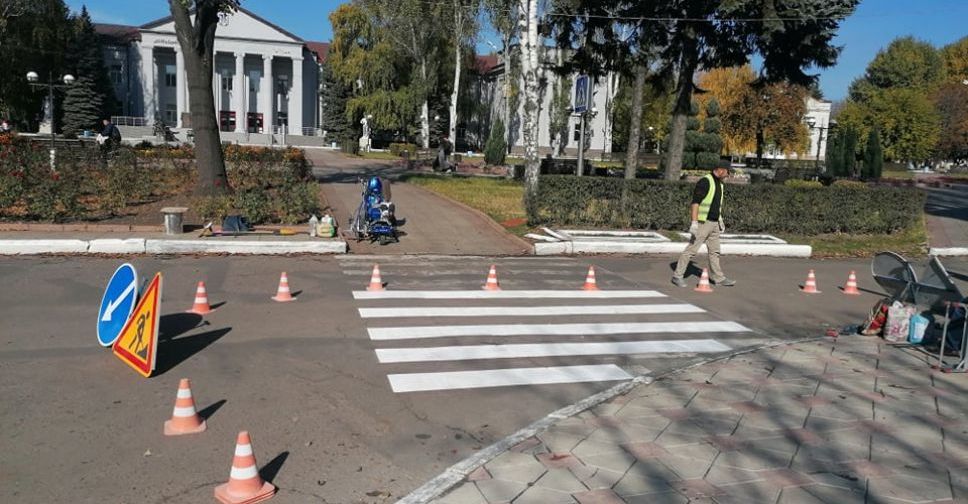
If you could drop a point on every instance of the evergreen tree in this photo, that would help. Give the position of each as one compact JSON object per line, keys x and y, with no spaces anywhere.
{"x":91,"y":97}
{"x":835,"y":154}
{"x":873,"y":156}
{"x":850,"y":152}
{"x":496,"y":147}
{"x":333,"y":94}
{"x":703,"y":147}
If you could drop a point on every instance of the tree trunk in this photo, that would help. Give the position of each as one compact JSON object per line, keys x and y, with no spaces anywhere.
{"x":197,"y":44}
{"x":529,"y":62}
{"x":635,"y":128}
{"x":760,"y":140}
{"x":455,"y":94}
{"x":424,"y":111}
{"x":677,"y":134}
{"x":507,"y":91}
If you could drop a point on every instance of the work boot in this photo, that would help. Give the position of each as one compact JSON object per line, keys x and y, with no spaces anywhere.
{"x":679,"y":282}
{"x":725,"y":282}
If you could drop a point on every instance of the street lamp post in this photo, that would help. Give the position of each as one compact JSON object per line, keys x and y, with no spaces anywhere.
{"x":811,"y":123}
{"x":68,"y":79}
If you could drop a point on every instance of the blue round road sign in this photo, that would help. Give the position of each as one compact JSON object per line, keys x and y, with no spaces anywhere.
{"x":117,"y":304}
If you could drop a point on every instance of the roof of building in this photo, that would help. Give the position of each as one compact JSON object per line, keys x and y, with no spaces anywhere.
{"x":158,"y":22}
{"x":486,"y":62}
{"x":118,"y":34}
{"x":320,"y":49}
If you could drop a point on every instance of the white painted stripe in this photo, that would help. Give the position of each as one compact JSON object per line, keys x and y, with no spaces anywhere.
{"x":508,"y":294}
{"x":243,"y":450}
{"x":184,"y":412}
{"x":243,"y":473}
{"x":527,"y":311}
{"x":420,"y":332}
{"x":471,"y":352}
{"x":184,"y":393}
{"x":416,"y":382}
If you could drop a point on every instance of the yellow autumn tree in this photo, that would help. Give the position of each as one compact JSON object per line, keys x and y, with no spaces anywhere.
{"x":729,"y":87}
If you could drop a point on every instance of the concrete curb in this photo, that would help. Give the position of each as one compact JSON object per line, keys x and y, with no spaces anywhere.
{"x":605,"y":247}
{"x":948,"y":251}
{"x":456,"y":473}
{"x":151,"y":246}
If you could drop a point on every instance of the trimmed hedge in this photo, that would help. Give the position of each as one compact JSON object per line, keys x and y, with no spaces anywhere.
{"x":757,"y":208}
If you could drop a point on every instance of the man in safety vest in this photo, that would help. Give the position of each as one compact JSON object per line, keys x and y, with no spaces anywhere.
{"x":707,"y":224}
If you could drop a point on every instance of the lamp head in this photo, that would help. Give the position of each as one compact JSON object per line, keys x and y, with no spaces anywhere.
{"x":68,"y":79}
{"x":32,"y":77}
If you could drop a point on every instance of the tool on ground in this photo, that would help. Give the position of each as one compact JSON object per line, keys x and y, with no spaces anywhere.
{"x":184,"y":418}
{"x":245,"y":486}
{"x":590,"y":283}
{"x":201,"y":306}
{"x":283,"y":294}
{"x":704,"y":282}
{"x":491,"y":283}
{"x":851,"y":286}
{"x":810,"y":286}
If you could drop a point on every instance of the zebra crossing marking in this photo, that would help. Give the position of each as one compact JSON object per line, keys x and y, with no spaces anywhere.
{"x":474,"y":352}
{"x":422,"y":382}
{"x":527,"y":311}
{"x":588,"y":329}
{"x":506,"y":294}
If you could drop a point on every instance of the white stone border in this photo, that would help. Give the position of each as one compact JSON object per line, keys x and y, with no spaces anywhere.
{"x":150,"y":246}
{"x":605,"y":247}
{"x":743,"y":238}
{"x":948,"y":251}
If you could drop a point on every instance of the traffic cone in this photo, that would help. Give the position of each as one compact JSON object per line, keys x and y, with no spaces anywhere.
{"x":491,"y":283}
{"x":283,"y":294}
{"x":704,"y":282}
{"x":590,"y":284}
{"x":201,"y":306}
{"x":184,"y":419}
{"x":245,"y":486}
{"x":851,"y":286}
{"x":810,"y":286}
{"x":376,"y":281}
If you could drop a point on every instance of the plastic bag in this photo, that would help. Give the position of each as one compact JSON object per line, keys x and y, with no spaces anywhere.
{"x":898,"y":322}
{"x":919,"y":323}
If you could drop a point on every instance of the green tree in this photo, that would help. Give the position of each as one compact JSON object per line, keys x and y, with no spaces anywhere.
{"x":91,"y":97}
{"x":905,"y":63}
{"x":873,"y":157}
{"x":909,"y":124}
{"x":834,"y":159}
{"x":35,"y":38}
{"x":703,"y":146}
{"x":849,"y":146}
{"x":695,"y":35}
{"x":195,"y":25}
{"x":955,"y":57}
{"x":333,"y":95}
{"x":495,"y":150}
{"x":951,"y":102}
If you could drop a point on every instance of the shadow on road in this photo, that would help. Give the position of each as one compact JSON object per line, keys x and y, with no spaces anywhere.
{"x":174,"y":325}
{"x":172,"y":352}
{"x":210,"y":410}
{"x":270,"y":470}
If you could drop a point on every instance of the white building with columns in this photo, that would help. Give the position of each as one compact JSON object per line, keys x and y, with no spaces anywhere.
{"x":266,"y":80}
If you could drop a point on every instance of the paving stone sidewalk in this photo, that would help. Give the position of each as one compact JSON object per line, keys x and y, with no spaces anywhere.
{"x":840,"y":420}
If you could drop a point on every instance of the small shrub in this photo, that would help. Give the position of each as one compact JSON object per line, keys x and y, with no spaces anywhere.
{"x":213,"y":208}
{"x":398,"y":149}
{"x":849,"y":183}
{"x":297,"y":201}
{"x":254,"y":205}
{"x":802,"y":184}
{"x":496,"y":148}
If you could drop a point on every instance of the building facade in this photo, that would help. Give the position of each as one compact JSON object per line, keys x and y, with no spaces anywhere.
{"x":266,"y":80}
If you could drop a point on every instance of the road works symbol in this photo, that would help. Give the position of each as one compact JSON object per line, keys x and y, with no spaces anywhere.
{"x":138,"y":344}
{"x":118,"y":302}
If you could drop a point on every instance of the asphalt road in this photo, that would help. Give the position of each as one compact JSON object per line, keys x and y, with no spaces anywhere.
{"x":947,"y":212}
{"x":306,"y":379}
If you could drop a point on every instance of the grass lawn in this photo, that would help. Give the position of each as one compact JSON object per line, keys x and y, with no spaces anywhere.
{"x":377,"y":155}
{"x":499,"y":199}
{"x":908,"y":175}
{"x":912,"y":243}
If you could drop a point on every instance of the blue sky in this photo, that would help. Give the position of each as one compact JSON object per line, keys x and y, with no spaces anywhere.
{"x":872,"y":27}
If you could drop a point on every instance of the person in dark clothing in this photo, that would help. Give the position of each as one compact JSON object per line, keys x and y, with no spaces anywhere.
{"x":110,"y":135}
{"x":443,"y":154}
{"x":707,"y":224}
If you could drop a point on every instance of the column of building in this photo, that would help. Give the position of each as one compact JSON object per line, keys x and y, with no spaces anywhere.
{"x":266,"y":94}
{"x":238,"y":93}
{"x":180,"y":88}
{"x":296,"y":98}
{"x":148,"y":82}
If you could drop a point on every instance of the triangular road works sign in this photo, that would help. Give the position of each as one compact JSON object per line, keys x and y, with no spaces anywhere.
{"x":138,"y":344}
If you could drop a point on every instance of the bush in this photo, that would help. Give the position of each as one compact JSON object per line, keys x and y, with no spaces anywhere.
{"x":298,"y":200}
{"x":761,"y":208}
{"x":254,"y":204}
{"x":398,"y":149}
{"x":213,"y":208}
{"x":801,"y":184}
{"x":849,"y":183}
{"x":496,"y":148}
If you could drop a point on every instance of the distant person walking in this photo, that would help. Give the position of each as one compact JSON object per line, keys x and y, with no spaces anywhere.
{"x":707,"y":224}
{"x":443,"y":154}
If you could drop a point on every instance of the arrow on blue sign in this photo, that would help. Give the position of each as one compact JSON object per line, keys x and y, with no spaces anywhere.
{"x":117,"y":304}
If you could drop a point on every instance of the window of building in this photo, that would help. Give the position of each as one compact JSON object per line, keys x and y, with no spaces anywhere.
{"x":577,"y":135}
{"x":227,"y":82}
{"x":117,"y":77}
{"x":171,"y":113}
{"x":171,"y":76}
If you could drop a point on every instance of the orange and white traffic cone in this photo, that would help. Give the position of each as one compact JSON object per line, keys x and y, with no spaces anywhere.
{"x":184,"y":419}
{"x":201,"y":306}
{"x":851,"y":286}
{"x":810,"y":286}
{"x":590,"y":284}
{"x":491,"y":283}
{"x":704,"y":282}
{"x":376,"y":281}
{"x":245,"y":486}
{"x":283,"y":294}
